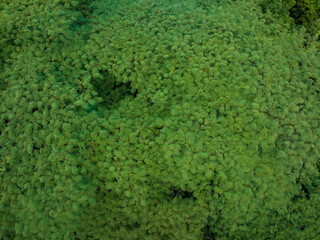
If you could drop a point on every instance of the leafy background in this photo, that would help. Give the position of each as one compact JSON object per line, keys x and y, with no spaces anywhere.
{"x":158,"y":120}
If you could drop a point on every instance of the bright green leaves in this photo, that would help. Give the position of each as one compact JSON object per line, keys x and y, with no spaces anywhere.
{"x":223,"y":176}
{"x":143,"y":202}
{"x":223,"y":112}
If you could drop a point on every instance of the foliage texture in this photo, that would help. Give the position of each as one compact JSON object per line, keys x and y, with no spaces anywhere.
{"x":157,"y":120}
{"x":303,"y":12}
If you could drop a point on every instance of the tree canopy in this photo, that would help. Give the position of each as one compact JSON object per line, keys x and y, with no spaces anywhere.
{"x":170,"y":119}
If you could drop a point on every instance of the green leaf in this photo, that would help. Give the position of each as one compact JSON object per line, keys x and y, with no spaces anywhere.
{"x":143,"y":202}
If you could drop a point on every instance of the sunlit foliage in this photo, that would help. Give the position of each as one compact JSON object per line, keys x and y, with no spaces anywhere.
{"x":157,"y":120}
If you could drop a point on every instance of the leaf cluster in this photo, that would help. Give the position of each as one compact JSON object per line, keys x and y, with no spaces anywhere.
{"x":157,"y":120}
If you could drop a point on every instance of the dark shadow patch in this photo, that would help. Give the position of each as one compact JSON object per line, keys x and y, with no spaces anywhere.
{"x":313,"y":80}
{"x":305,"y":191}
{"x":218,"y":113}
{"x":35,"y":148}
{"x":133,"y":226}
{"x":297,"y":14}
{"x":76,"y":238}
{"x":3,"y":85}
{"x":175,"y":192}
{"x":111,"y":91}
{"x":207,"y":231}
{"x":68,"y":101}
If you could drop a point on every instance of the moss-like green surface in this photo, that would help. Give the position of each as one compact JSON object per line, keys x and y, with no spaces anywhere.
{"x":157,"y":120}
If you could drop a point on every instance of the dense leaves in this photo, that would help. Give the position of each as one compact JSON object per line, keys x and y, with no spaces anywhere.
{"x":304,"y":12}
{"x":157,"y":120}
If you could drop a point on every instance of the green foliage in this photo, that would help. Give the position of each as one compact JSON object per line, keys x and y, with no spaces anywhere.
{"x":157,"y":120}
{"x":304,"y":12}
{"x":2,"y":166}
